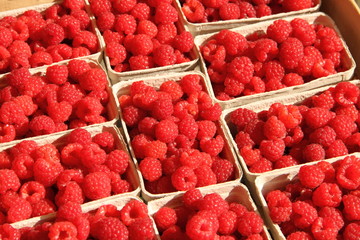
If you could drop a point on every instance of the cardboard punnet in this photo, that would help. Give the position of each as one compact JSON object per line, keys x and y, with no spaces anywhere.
{"x":317,"y":18}
{"x":277,"y":181}
{"x":230,"y":128}
{"x":232,"y":193}
{"x":124,"y":88}
{"x":209,"y":27}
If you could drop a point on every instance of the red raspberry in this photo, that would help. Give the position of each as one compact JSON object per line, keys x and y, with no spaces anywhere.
{"x":96,"y":185}
{"x":191,"y":198}
{"x":173,"y":233}
{"x":164,"y":55}
{"x":262,"y":165}
{"x":141,"y":44}
{"x":212,"y":113}
{"x":206,"y":129}
{"x":86,"y":39}
{"x":166,"y":131}
{"x":303,"y":214}
{"x":343,"y":125}
{"x":303,"y":31}
{"x":250,"y":223}
{"x":311,"y":176}
{"x":289,"y":5}
{"x":351,"y":231}
{"x":350,"y":111}
{"x":93,"y":79}
{"x":82,"y":16}
{"x":205,"y":176}
{"x":40,"y":58}
{"x":351,"y":209}
{"x":347,"y":174}
{"x":100,"y":6}
{"x":203,"y":225}
{"x":155,"y":149}
{"x":184,"y":42}
{"x":223,"y":169}
{"x":92,"y":155}
{"x":346,"y":93}
{"x":79,"y":135}
{"x":227,"y":223}
{"x":26,"y":103}
{"x":72,"y":192}
{"x":59,"y":112}
{"x":292,"y":79}
{"x":117,"y":161}
{"x":57,"y":74}
{"x":70,"y":154}
{"x":19,"y":47}
{"x":141,"y":11}
{"x":57,"y":229}
{"x":241,"y":117}
{"x":165,"y":218}
{"x":46,"y":172}
{"x":213,"y":146}
{"x":334,"y":214}
{"x":272,"y":149}
{"x":132,"y":211}
{"x":77,"y":68}
{"x":69,"y":211}
{"x":9,"y":181}
{"x":214,"y":203}
{"x":141,"y":62}
{"x":191,"y":158}
{"x":242,"y":68}
{"x":274,"y":128}
{"x":191,"y":84}
{"x":324,"y":136}
{"x":263,"y":10}
{"x":280,"y":206}
{"x":110,"y":228}
{"x":105,"y":140}
{"x":71,"y":26}
{"x":141,"y":229}
{"x":6,"y":37}
{"x":53,"y":34}
{"x":74,"y":4}
{"x":229,"y":11}
{"x":166,"y":33}
{"x":338,"y":148}
{"x":247,"y":10}
{"x":165,"y":13}
{"x":327,"y":195}
{"x":313,"y":152}
{"x":105,"y":21}
{"x":19,"y":210}
{"x":41,"y":125}
{"x":150,"y":169}
{"x":193,"y":10}
{"x":147,"y":126}
{"x":255,"y":129}
{"x":42,"y":207}
{"x":335,"y":57}
{"x":173,"y":89}
{"x":233,"y":87}
{"x":32,"y":191}
{"x":318,"y":117}
{"x":291,"y":52}
{"x":125,"y":23}
{"x":88,"y":108}
{"x":162,"y":108}
{"x":265,"y":49}
{"x":147,"y":27}
{"x":184,"y":178}
{"x":234,"y":43}
{"x":299,"y":235}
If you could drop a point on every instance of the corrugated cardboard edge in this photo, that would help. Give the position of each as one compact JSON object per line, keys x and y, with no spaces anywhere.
{"x":232,"y":193}
{"x":258,"y":107}
{"x":272,"y":181}
{"x":119,"y":202}
{"x":123,"y":88}
{"x":42,"y":7}
{"x":204,"y":28}
{"x":116,"y":77}
{"x":112,"y":106}
{"x":131,"y":174}
{"x":311,"y":18}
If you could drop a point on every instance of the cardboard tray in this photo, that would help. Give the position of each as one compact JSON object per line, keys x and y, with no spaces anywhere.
{"x":272,"y":181}
{"x":42,"y":7}
{"x":203,"y":28}
{"x":60,"y":139}
{"x":317,"y":18}
{"x":119,"y":202}
{"x":230,"y":129}
{"x":111,"y":107}
{"x":232,"y":193}
{"x":124,"y":87}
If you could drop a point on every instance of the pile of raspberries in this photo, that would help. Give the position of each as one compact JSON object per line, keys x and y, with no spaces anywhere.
{"x":64,"y":96}
{"x":285,"y":54}
{"x":323,"y":203}
{"x":32,"y":39}
{"x":321,"y":127}
{"x":174,"y":135}
{"x":36,"y":180}
{"x":203,"y":11}
{"x":141,"y":34}
{"x":131,"y":222}
{"x":208,"y":217}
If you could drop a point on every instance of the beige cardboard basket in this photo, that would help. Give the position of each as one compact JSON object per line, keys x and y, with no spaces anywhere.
{"x":209,"y":27}
{"x":119,"y":202}
{"x":277,"y":181}
{"x":230,"y":129}
{"x":60,"y":139}
{"x":42,"y":7}
{"x":124,"y":88}
{"x":315,"y":18}
{"x":231,"y":193}
{"x":111,"y":107}
{"x":129,"y":75}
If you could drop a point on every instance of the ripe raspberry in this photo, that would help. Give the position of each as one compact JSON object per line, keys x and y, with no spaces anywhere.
{"x":88,"y":108}
{"x":141,"y":11}
{"x":250,"y":223}
{"x":203,"y":225}
{"x":166,"y":33}
{"x":59,"y":112}
{"x":299,"y":235}
{"x":53,"y":34}
{"x":346,"y":93}
{"x":32,"y":191}
{"x":87,"y":40}
{"x":272,"y":149}
{"x":100,"y":6}
{"x":40,"y":58}
{"x":141,"y":62}
{"x":19,"y":210}
{"x":164,"y":55}
{"x":165,"y":218}
{"x":351,"y":231}
{"x":263,"y":10}
{"x":83,"y":17}
{"x":96,"y":185}
{"x":93,"y":79}
{"x":280,"y":206}
{"x":71,"y":26}
{"x":265,"y":49}
{"x":227,"y":223}
{"x":110,"y":228}
{"x":347,"y":173}
{"x":105,"y":21}
{"x":92,"y":155}
{"x":69,"y":211}
{"x":343,"y":125}
{"x":141,"y":229}
{"x":205,"y":176}
{"x":155,"y":149}
{"x":173,"y":233}
{"x":214,"y":203}
{"x":184,"y":178}
{"x":132,"y":211}
{"x":289,"y":5}
{"x":41,"y":125}
{"x":247,"y":10}
{"x":71,"y":4}
{"x":72,"y":192}
{"x":192,"y":198}
{"x":351,"y":209}
{"x":350,"y":111}
{"x":184,"y":42}
{"x":79,"y":135}
{"x":311,"y":176}
{"x":59,"y":228}
{"x":214,"y":3}
{"x":117,"y":161}
{"x":318,"y":117}
{"x":212,"y":146}
{"x":193,"y":10}
{"x":125,"y":23}
{"x":303,"y":214}
{"x":46,"y":172}
{"x":292,"y":79}
{"x":9,"y":181}
{"x":241,"y":117}
{"x":303,"y":31}
{"x":242,"y":69}
{"x":229,"y":11}
{"x":333,"y":213}
{"x":313,"y":152}
{"x":165,"y":13}
{"x":291,"y":52}
{"x":150,"y":169}
{"x":338,"y":148}
{"x":42,"y":207}
{"x":141,"y":44}
{"x":162,"y":108}
{"x":324,"y":136}
{"x":274,"y":128}
{"x":19,"y":47}
{"x":327,"y":195}
{"x":212,"y":113}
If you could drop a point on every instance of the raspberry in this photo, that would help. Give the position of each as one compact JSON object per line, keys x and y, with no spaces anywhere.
{"x":347,"y":173}
{"x":292,"y":79}
{"x":93,"y":79}
{"x":105,"y":21}
{"x":141,"y":62}
{"x":229,"y":11}
{"x":92,"y":155}
{"x":274,"y":128}
{"x":246,"y":10}
{"x":250,"y":223}
{"x":303,"y":31}
{"x":141,"y":11}
{"x":313,"y":152}
{"x":213,"y":146}
{"x":41,"y":125}
{"x":39,"y":59}
{"x":23,"y":166}
{"x":67,"y":176}
{"x":299,"y":235}
{"x":150,"y":169}
{"x":165,"y":218}
{"x":62,"y":228}
{"x":324,"y":136}
{"x":272,"y":149}
{"x":73,"y":5}
{"x":79,"y":135}
{"x":53,"y":34}
{"x":117,"y":161}
{"x":173,"y":233}
{"x":60,"y":52}
{"x":72,"y":192}
{"x":351,"y":231}
{"x":335,"y":57}
{"x":26,"y":103}
{"x":82,"y":16}
{"x":111,"y":228}
{"x":132,"y":211}
{"x":303,"y":214}
{"x":87,"y":40}
{"x":280,"y":206}
{"x":351,"y":209}
{"x":214,"y":203}
{"x":155,"y":149}
{"x":184,"y":178}
{"x":234,"y":43}
{"x":141,"y":229}
{"x":263,"y":10}
{"x":46,"y":172}
{"x":291,"y":52}
{"x":241,"y":117}
{"x":227,"y":223}
{"x":148,"y":28}
{"x":193,"y":10}
{"x":59,"y":112}
{"x":265,"y":49}
{"x":87,"y":108}
{"x":203,"y":225}
{"x":165,"y":13}
{"x":42,"y":207}
{"x":346,"y":93}
{"x":338,"y":148}
{"x":77,"y":68}
{"x":69,"y":211}
{"x":162,"y":108}
{"x":223,"y":170}
{"x":242,"y":69}
{"x":343,"y":125}
{"x":212,"y":113}
{"x":334,"y":214}
{"x":311,"y":176}
{"x":70,"y":25}
{"x":192,"y":198}
{"x":32,"y":191}
{"x":19,"y":210}
{"x":318,"y":117}
{"x":166,"y":131}
{"x":141,"y":44}
{"x":96,"y":185}
{"x":191,"y":158}
{"x":350,"y":111}
{"x":327,"y":195}
{"x":166,"y":33}
{"x":173,"y":89}
{"x":205,"y":176}
{"x":289,"y":5}
{"x":100,"y":6}
{"x":125,"y":23}
{"x":19,"y":47}
{"x":164,"y":55}
{"x":183,"y":42}
{"x":9,"y":181}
